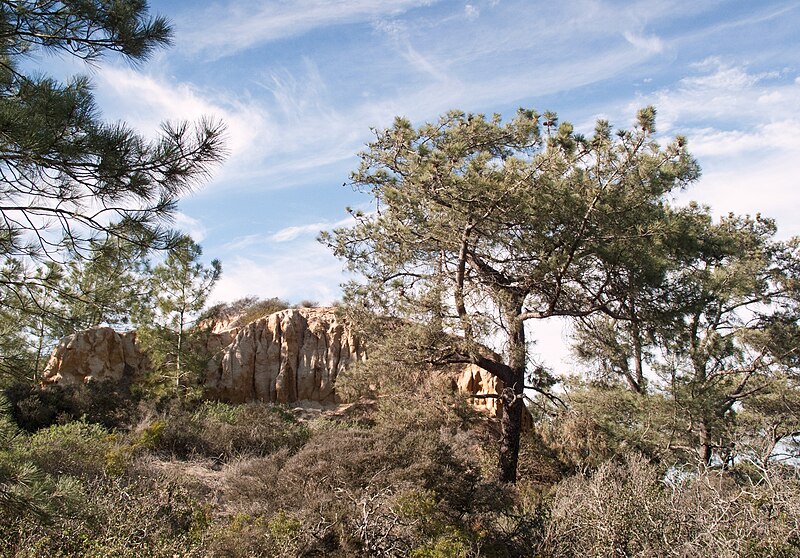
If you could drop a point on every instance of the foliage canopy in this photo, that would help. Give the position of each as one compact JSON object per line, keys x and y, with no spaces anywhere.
{"x":482,"y":225}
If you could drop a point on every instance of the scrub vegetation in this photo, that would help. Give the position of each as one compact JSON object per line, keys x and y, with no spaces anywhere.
{"x":675,"y":434}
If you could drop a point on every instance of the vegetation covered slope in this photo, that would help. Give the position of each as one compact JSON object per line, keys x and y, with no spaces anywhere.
{"x":410,"y":474}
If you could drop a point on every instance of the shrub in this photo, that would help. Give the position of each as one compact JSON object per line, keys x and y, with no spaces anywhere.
{"x":243,"y":311}
{"x":107,"y":403}
{"x":606,"y":422}
{"x":404,"y":484}
{"x":626,"y":509}
{"x":27,"y":494}
{"x":119,"y":517}
{"x":77,"y":448}
{"x":223,"y":431}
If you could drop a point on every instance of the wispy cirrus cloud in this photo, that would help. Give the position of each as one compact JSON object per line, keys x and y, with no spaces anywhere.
{"x":224,"y":29}
{"x":146,"y":100}
{"x":292,"y":130}
{"x":650,"y":43}
{"x":290,"y":123}
{"x":304,"y":231}
{"x":290,"y":233}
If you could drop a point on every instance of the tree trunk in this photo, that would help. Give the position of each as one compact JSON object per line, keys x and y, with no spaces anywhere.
{"x":511,"y":429}
{"x":512,"y":397}
{"x":706,"y":449}
{"x":637,"y":359}
{"x":178,"y":359}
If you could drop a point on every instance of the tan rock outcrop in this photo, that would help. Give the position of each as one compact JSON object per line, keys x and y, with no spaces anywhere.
{"x":98,"y":353}
{"x":218,"y":340}
{"x":218,"y":332}
{"x":473,"y":380}
{"x":291,"y":355}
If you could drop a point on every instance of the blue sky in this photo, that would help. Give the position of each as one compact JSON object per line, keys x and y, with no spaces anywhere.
{"x":300,"y":83}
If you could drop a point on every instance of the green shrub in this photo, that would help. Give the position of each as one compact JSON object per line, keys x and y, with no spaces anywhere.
{"x":77,"y":448}
{"x":122,"y":518}
{"x":450,"y":545}
{"x":223,"y":431}
{"x":106,"y":402}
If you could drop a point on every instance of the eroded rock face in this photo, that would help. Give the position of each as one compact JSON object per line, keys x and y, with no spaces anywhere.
{"x":291,"y":355}
{"x":474,"y":380}
{"x":218,"y":340}
{"x":98,"y":353}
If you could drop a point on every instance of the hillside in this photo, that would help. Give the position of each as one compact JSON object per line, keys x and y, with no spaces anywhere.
{"x":403,"y":472}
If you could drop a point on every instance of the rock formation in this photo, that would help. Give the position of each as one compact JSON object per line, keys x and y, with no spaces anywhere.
{"x":219,"y":339}
{"x":98,"y":353}
{"x":291,"y":355}
{"x":474,"y":380}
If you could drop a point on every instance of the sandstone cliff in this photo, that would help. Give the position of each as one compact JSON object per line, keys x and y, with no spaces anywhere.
{"x":291,"y":355}
{"x":98,"y":353}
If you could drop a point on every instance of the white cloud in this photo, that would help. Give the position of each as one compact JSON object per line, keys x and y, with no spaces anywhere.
{"x":300,"y":128}
{"x":783,"y":136}
{"x":744,"y":128}
{"x":723,"y":76}
{"x":471,"y":11}
{"x":245,"y":242}
{"x":292,"y":130}
{"x":652,"y":44}
{"x":424,"y":64}
{"x":145,"y":101}
{"x":291,"y":233}
{"x":296,"y":271}
{"x":191,"y":226}
{"x":225,"y":29}
{"x":725,"y":93}
{"x":766,"y":184}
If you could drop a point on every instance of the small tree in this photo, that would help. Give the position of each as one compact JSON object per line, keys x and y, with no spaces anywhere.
{"x":481,"y":226}
{"x":179,"y":289}
{"x":720,"y":326}
{"x":737,"y":332}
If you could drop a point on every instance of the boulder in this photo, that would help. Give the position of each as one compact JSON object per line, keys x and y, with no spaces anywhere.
{"x":95,"y":354}
{"x":288,"y":356}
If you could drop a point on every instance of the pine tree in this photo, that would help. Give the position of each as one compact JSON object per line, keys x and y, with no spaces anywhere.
{"x":179,"y":289}
{"x":70,"y":183}
{"x":481,"y":226}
